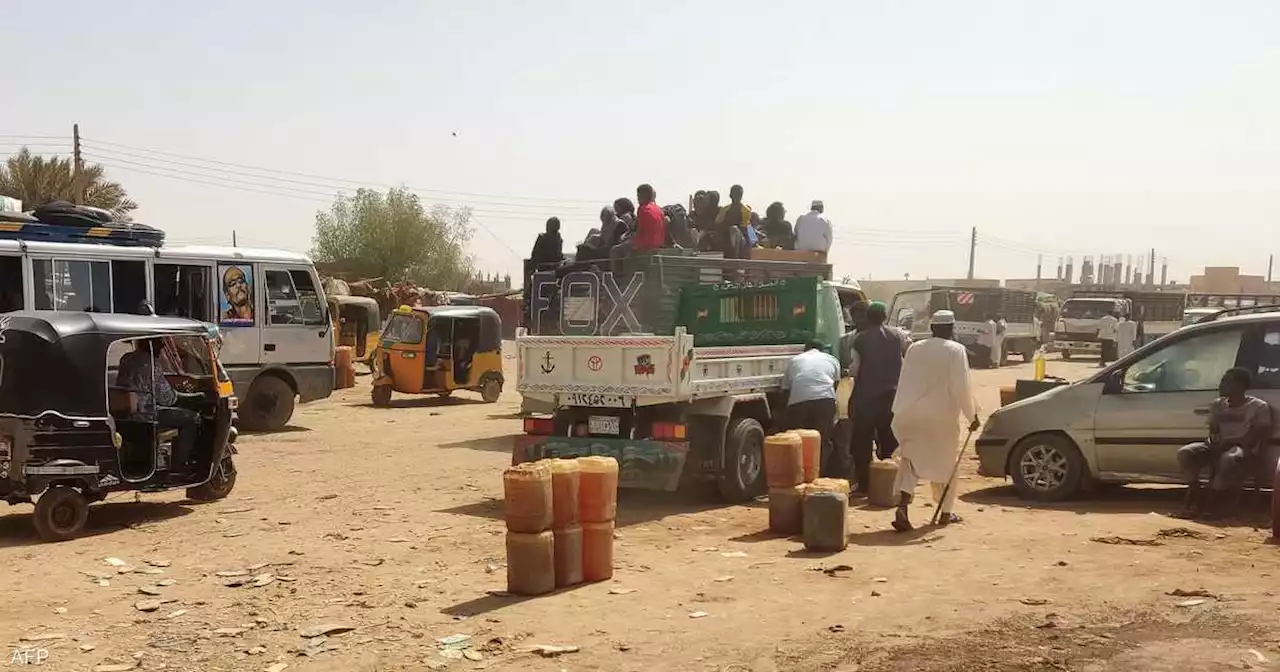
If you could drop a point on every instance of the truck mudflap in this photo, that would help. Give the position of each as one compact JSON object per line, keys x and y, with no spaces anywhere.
{"x":648,"y":465}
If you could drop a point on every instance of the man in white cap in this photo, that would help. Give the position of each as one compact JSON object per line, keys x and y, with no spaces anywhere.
{"x":933,"y":393}
{"x":813,"y":230}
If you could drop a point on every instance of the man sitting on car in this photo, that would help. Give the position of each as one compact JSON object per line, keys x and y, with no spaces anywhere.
{"x":1239,"y":425}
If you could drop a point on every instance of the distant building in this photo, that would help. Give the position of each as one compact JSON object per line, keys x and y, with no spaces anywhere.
{"x":1228,"y":280}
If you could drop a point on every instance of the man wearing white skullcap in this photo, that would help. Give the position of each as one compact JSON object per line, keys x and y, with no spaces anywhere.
{"x":933,"y":393}
{"x":813,"y":230}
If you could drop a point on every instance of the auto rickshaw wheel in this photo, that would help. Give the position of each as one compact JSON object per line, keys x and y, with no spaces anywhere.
{"x":61,"y":514}
{"x":268,"y":406}
{"x":445,"y":394}
{"x":491,"y":389}
{"x":381,"y":395}
{"x":219,"y":485}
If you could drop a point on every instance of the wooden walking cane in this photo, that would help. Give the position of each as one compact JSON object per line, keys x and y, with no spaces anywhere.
{"x":946,"y":489}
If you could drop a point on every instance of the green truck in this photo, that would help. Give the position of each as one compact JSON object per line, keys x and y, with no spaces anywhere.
{"x":680,"y":382}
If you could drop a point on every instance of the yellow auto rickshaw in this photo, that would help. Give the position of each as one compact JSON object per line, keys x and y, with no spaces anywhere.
{"x":439,"y":349}
{"x":357,"y":324}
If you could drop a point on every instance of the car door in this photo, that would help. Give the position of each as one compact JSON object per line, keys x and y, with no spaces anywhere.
{"x":295,"y":327}
{"x":1158,"y":403}
{"x":1264,"y":363}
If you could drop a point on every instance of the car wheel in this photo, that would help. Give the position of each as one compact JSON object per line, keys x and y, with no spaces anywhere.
{"x":1046,"y":468}
{"x":269,"y":405}
{"x":1066,"y":355}
{"x":742,"y":477}
{"x":61,"y":514}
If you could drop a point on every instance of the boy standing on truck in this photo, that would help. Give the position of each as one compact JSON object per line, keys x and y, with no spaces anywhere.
{"x":811,"y":384}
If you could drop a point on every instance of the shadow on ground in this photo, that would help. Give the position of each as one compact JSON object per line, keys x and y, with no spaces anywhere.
{"x":1167,"y":501}
{"x":16,"y":529}
{"x":635,"y":507}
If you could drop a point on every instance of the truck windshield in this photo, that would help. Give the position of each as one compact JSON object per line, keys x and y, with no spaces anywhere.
{"x":1086,"y":310}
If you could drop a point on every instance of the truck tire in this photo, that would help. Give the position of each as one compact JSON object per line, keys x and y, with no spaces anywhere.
{"x":742,"y":477}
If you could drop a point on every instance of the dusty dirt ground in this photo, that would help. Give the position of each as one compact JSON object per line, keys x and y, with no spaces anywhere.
{"x":387,"y":522}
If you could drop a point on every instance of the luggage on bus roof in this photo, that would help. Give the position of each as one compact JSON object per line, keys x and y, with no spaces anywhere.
{"x":62,"y":222}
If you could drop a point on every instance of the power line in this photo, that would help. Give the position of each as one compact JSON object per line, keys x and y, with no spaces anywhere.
{"x":338,"y":180}
{"x":207,"y":171}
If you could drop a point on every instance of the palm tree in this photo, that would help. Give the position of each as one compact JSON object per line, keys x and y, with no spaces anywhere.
{"x":36,"y":180}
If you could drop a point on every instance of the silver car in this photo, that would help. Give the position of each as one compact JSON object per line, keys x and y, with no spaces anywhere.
{"x":1126,"y":423}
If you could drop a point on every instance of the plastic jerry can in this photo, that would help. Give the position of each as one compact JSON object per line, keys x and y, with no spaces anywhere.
{"x":568,"y":548}
{"x":826,"y":526}
{"x":786,"y":509}
{"x":784,"y":460}
{"x":884,"y":473}
{"x":565,"y":483}
{"x":811,"y":452}
{"x":597,"y":489}
{"x":527,"y":493}
{"x":597,"y":551}
{"x":531,"y":563}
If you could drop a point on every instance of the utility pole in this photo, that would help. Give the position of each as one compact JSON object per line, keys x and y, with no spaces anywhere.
{"x":973,"y":247}
{"x":77,"y":168}
{"x":1151,"y":270}
{"x":1039,"y":260}
{"x":1271,"y":260}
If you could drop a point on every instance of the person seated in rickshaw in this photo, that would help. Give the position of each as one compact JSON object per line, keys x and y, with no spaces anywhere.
{"x":142,"y":372}
{"x":462,"y":361}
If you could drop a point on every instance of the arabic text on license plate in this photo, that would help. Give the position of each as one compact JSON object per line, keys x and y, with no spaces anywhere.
{"x":603,"y":424}
{"x":588,"y":399}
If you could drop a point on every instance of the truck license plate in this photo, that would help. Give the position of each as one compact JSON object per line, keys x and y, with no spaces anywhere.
{"x":603,"y":424}
{"x":598,"y":400}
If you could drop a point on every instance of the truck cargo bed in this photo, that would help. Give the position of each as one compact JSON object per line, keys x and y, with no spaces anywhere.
{"x":621,"y":371}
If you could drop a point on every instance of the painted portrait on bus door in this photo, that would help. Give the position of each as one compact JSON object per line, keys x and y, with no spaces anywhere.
{"x":235,"y":302}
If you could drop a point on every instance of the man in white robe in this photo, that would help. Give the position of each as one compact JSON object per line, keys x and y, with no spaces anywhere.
{"x":1126,"y":336}
{"x":934,"y":392}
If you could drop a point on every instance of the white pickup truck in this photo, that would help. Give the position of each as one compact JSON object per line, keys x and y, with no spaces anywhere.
{"x":655,"y":403}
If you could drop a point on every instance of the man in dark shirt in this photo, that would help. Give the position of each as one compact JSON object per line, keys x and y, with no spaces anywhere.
{"x":549,"y":247}
{"x":876,"y":362}
{"x":777,"y":229}
{"x":1239,"y":426}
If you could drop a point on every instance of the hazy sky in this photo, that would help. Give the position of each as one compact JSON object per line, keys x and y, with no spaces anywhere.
{"x":1060,"y":127}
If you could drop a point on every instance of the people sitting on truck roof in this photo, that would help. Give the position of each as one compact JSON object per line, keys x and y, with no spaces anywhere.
{"x":736,"y":212}
{"x":705,"y":218}
{"x":678,"y":232}
{"x":776,"y":229}
{"x":813,"y":230}
{"x":625,"y":211}
{"x":548,"y":249}
{"x":650,"y":229}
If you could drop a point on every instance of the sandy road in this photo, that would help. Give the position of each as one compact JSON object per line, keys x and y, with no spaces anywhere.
{"x":387,"y":521}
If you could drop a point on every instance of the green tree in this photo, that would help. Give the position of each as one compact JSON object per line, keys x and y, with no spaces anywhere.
{"x":37,"y":180}
{"x":392,"y":236}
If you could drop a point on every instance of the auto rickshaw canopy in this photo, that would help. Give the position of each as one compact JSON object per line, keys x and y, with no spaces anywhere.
{"x":437,"y":317}
{"x":56,"y":362}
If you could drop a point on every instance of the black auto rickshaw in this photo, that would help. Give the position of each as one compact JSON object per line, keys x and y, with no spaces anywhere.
{"x":357,"y":323}
{"x":79,"y":418}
